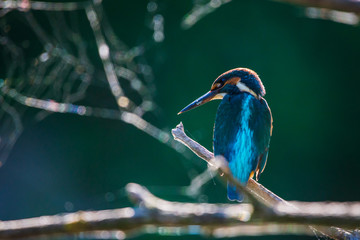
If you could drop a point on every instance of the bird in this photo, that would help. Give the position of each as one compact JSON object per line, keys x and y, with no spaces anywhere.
{"x":243,"y":124}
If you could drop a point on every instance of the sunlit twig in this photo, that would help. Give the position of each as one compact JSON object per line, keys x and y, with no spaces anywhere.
{"x":216,"y":220}
{"x":256,"y":188}
{"x":340,"y":5}
{"x":314,"y":213}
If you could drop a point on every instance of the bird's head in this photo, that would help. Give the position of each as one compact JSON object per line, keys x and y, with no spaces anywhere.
{"x":232,"y":82}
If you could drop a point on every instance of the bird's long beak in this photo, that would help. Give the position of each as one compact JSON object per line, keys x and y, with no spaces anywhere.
{"x":201,"y":100}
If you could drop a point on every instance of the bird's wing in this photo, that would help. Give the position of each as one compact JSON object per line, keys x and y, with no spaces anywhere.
{"x":261,"y":164}
{"x":242,"y":134}
{"x":262,"y":133}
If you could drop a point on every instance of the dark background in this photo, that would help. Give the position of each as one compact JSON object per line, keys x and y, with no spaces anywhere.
{"x":310,"y":70}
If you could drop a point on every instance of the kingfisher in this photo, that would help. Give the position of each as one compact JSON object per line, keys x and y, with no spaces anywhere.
{"x":243,"y":124}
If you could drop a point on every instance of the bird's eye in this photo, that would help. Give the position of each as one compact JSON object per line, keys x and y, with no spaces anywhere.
{"x":218,"y":85}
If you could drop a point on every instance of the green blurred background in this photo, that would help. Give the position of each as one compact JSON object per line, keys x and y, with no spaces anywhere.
{"x":310,"y":70}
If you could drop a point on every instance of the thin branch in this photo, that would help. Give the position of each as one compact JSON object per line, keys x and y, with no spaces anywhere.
{"x":199,"y":213}
{"x":217,"y":220}
{"x":317,"y":213}
{"x":325,"y":214}
{"x":254,"y":187}
{"x":153,"y":211}
{"x":339,"y":5}
{"x":45,"y":6}
{"x":341,"y":214}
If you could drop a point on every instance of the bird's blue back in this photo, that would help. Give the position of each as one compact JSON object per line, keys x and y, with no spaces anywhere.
{"x":242,"y":135}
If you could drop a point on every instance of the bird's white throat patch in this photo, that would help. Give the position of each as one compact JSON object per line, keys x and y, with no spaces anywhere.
{"x":243,"y":88}
{"x":219,"y":96}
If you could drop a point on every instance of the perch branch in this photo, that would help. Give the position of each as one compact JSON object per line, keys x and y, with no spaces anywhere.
{"x":313,"y":213}
{"x":254,"y":187}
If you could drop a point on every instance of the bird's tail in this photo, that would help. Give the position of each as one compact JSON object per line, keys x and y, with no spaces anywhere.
{"x":233,"y":195}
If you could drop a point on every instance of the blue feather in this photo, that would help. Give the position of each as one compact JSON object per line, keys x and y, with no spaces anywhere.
{"x":243,"y":124}
{"x":232,"y":194}
{"x":242,"y":134}
{"x":243,"y":152}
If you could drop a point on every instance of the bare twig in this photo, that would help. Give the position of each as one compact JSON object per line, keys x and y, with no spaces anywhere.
{"x":341,"y":214}
{"x":339,"y":5}
{"x":41,"y":5}
{"x":153,"y":210}
{"x":217,"y":220}
{"x":254,"y":187}
{"x":325,"y":214}
{"x":202,"y":213}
